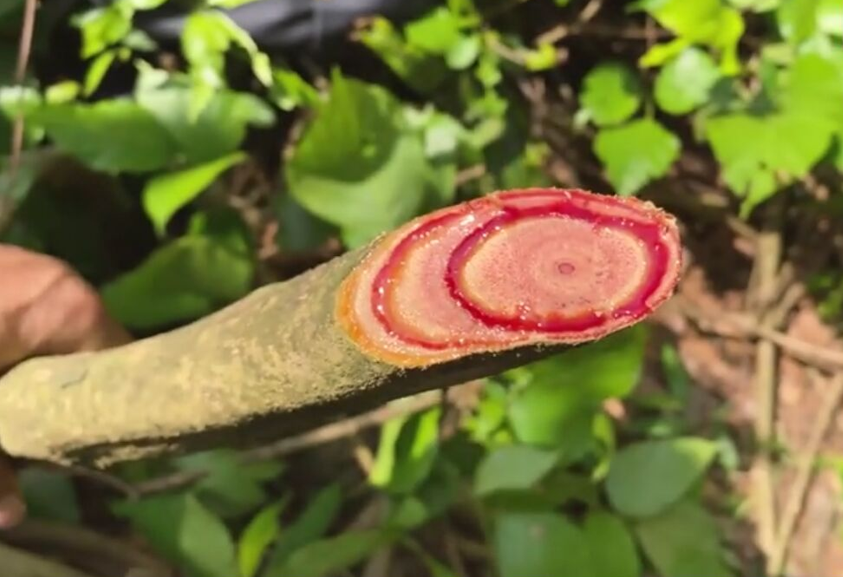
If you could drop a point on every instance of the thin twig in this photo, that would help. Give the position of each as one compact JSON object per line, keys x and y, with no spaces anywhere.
{"x":7,"y":206}
{"x":762,"y":295}
{"x":312,"y":438}
{"x":805,"y":475}
{"x":24,"y":51}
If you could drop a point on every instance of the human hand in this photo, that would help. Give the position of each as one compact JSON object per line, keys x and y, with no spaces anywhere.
{"x":45,"y":309}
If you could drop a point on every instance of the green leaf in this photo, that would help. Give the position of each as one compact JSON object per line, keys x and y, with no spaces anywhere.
{"x":564,"y":390}
{"x":187,"y":278}
{"x":230,"y":487}
{"x":513,"y":467}
{"x":419,"y":69}
{"x":359,"y":168}
{"x":751,"y":149}
{"x":406,"y":452}
{"x":182,"y":530}
{"x":539,"y":545}
{"x":97,"y":71}
{"x":49,"y":495}
{"x":611,"y":93}
{"x":289,"y":90}
{"x":647,"y":477}
{"x":707,"y":22}
{"x":299,"y":230}
{"x":636,"y":153}
{"x":830,"y":17}
{"x":797,"y":19}
{"x":332,"y":555}
{"x":310,"y":525}
{"x":611,"y":547}
{"x":103,"y":27}
{"x":219,"y":129}
{"x":112,"y":135}
{"x":684,"y":540}
{"x":684,"y":83}
{"x":439,"y":492}
{"x":164,"y":195}
{"x":464,"y":53}
{"x":755,"y":5}
{"x":542,"y":57}
{"x":814,"y":87}
{"x":436,"y":33}
{"x":257,"y":536}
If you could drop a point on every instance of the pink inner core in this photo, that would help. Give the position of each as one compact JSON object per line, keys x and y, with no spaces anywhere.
{"x":526,"y":263}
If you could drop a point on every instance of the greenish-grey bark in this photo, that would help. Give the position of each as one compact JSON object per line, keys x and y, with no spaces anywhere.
{"x":269,"y":365}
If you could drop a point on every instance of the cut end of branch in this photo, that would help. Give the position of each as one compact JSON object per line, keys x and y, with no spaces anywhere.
{"x":511,"y":269}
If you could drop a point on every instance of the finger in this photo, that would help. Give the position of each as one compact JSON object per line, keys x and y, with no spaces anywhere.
{"x":46,"y":308}
{"x":12,"y":504}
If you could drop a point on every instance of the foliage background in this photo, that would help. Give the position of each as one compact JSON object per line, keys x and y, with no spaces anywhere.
{"x":178,"y":176}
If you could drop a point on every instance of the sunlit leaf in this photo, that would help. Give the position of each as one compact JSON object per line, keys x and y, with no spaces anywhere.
{"x":219,"y":129}
{"x":257,"y":536}
{"x":647,"y":477}
{"x":164,"y":195}
{"x":611,"y":93}
{"x":684,"y":83}
{"x":636,"y":153}
{"x":564,"y":390}
{"x":437,"y":33}
{"x":406,"y":452}
{"x":110,"y":135}
{"x":359,"y":168}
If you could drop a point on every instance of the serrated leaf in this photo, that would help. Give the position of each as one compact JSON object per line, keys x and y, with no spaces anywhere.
{"x":359,"y":168}
{"x":611,"y":93}
{"x":683,"y":540}
{"x":164,"y":195}
{"x":563,"y":391}
{"x":112,"y":135}
{"x":647,"y":477}
{"x":181,"y":529}
{"x":187,"y":278}
{"x":539,"y":545}
{"x":257,"y":536}
{"x":636,"y":153}
{"x":611,"y":547}
{"x":684,"y":83}
{"x":512,"y":468}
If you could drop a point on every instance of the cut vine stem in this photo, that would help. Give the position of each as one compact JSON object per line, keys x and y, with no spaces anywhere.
{"x":459,"y":294}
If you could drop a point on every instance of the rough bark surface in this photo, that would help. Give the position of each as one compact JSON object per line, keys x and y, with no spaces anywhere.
{"x":271,"y":364}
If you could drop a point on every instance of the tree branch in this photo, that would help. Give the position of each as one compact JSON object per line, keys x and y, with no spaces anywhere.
{"x":293,"y":355}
